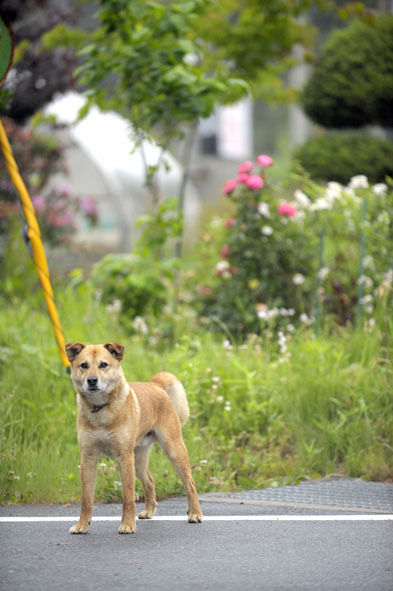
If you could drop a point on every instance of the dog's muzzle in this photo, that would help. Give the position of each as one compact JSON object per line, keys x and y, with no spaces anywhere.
{"x":92,"y":383}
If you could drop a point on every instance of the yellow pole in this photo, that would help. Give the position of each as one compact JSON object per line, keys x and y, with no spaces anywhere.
{"x":34,"y":235}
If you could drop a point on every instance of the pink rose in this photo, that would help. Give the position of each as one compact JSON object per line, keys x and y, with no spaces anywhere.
{"x":287,"y":209}
{"x":230,"y":186}
{"x":242,"y":177}
{"x":264,"y":160}
{"x":245,"y":167}
{"x":224,"y":252}
{"x":230,"y":222}
{"x":254,"y":182}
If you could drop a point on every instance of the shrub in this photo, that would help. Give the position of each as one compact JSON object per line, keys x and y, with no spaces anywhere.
{"x":39,"y":157}
{"x":268,"y":253}
{"x":338,"y":156}
{"x":141,"y":283}
{"x":292,"y":255}
{"x":352,"y":82}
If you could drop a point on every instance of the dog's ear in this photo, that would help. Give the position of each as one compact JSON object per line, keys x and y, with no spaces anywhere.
{"x":73,"y":349}
{"x":116,"y":350}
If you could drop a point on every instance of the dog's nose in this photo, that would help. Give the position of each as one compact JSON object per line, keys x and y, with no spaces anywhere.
{"x":92,"y":381}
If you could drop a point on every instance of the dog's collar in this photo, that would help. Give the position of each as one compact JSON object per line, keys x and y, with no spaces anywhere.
{"x":98,"y":407}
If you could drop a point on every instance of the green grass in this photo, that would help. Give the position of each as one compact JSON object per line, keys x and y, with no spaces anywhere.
{"x":257,"y":419}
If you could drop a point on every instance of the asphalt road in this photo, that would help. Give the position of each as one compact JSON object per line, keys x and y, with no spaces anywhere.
{"x":301,"y":550}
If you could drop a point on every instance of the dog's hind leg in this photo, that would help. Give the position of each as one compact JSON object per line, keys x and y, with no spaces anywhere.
{"x":143,"y":473}
{"x":173,"y":445}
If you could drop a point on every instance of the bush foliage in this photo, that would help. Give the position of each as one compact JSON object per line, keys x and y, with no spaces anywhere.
{"x":352,"y":82}
{"x":338,"y":156}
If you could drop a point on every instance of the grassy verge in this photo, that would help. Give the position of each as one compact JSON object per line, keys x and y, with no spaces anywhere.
{"x":258,"y":418}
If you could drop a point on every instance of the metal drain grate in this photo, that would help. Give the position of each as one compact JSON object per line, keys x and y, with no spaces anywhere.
{"x":341,"y":493}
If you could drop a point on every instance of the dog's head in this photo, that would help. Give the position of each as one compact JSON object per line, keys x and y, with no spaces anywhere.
{"x":95,"y":369}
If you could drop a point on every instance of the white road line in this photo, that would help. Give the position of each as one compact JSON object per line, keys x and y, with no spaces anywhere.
{"x":54,"y":518}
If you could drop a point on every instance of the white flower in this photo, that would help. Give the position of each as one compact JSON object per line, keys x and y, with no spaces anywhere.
{"x":333,"y":192}
{"x":227,"y":345}
{"x":388,"y":278}
{"x":335,"y":188}
{"x":282,"y":341}
{"x":369,"y":262}
{"x":263,"y":209}
{"x":359,"y":181}
{"x":222,"y":266}
{"x":139,"y":325}
{"x":305,"y":319}
{"x":366,"y":281}
{"x":264,"y":313}
{"x":366,"y":299}
{"x":301,"y":198}
{"x":114,"y":307}
{"x":323,"y":272}
{"x":203,"y":462}
{"x":267,"y":230}
{"x":321,"y":204}
{"x":298,"y":279}
{"x":380,"y":189}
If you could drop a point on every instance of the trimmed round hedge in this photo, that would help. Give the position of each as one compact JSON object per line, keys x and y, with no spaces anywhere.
{"x":338,"y":156}
{"x":352,"y":82}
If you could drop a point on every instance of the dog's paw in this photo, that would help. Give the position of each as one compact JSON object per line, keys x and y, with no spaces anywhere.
{"x":195,"y":517}
{"x":146,"y":514}
{"x":78,"y":528}
{"x":126,"y":528}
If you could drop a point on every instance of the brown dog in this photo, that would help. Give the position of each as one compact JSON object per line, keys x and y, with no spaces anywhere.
{"x":124,"y":420}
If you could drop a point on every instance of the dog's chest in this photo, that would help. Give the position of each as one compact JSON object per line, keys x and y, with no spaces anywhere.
{"x":103,"y":441}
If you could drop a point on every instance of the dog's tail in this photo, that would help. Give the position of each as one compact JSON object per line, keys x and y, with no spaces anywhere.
{"x":175,"y":390}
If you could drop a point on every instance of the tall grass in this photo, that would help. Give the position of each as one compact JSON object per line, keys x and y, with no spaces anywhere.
{"x":258,"y":418}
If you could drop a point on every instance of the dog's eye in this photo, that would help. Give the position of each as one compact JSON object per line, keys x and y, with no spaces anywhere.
{"x":84,"y":365}
{"x":103,"y":365}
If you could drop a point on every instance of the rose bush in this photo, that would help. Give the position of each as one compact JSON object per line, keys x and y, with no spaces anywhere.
{"x":267,"y":245}
{"x":288,"y":254}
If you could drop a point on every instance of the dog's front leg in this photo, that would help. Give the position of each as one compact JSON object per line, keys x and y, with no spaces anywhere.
{"x":88,"y":478}
{"x":127,"y":472}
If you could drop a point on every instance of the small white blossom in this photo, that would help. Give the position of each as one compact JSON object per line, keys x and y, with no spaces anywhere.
{"x":366,"y":299}
{"x":139,"y":325}
{"x":380,"y":189}
{"x":298,"y":279}
{"x":222,"y":266}
{"x":263,"y":209}
{"x":359,"y":181}
{"x":267,"y":230}
{"x":388,"y":278}
{"x":227,"y":345}
{"x":323,"y":272}
{"x":264,"y":313}
{"x":321,"y":204}
{"x":306,"y":319}
{"x":301,"y":198}
{"x":366,"y":281}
